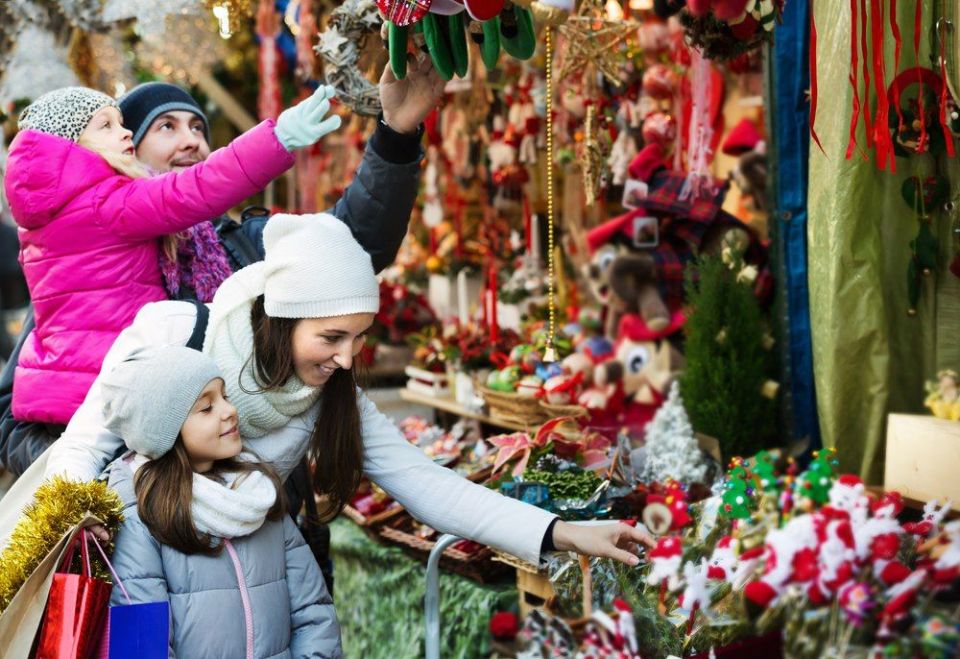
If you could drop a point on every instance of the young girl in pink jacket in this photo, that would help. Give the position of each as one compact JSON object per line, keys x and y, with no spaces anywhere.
{"x":92,"y":224}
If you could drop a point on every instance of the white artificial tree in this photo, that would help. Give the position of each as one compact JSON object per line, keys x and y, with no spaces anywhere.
{"x":671,"y":450}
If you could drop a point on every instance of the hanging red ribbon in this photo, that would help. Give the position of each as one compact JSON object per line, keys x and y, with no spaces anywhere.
{"x":881,"y":125}
{"x":898,"y":46}
{"x":813,"y":81}
{"x":921,"y":115}
{"x":854,"y":64}
{"x":492,"y":293}
{"x":527,"y":224}
{"x":269,"y":101}
{"x":865,"y":60}
{"x":944,"y":99}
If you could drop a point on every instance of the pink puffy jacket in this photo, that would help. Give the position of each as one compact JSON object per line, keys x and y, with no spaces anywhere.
{"x":89,"y":245}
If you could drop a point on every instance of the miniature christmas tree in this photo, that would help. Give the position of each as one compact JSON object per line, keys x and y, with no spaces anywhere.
{"x":727,"y":363}
{"x":814,"y":484}
{"x":765,"y":473}
{"x":738,"y":492}
{"x":671,"y":449}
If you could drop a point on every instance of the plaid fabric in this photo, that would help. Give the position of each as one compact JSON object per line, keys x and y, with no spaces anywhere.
{"x":664,"y":197}
{"x":404,"y":12}
{"x":680,"y":241}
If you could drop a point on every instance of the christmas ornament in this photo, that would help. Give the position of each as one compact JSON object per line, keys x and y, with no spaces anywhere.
{"x":592,"y":42}
{"x":340,"y":47}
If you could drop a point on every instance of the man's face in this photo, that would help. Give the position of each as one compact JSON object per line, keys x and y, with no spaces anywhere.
{"x":174,"y":141}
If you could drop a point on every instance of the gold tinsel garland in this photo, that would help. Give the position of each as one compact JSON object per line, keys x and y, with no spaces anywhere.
{"x":59,"y":504}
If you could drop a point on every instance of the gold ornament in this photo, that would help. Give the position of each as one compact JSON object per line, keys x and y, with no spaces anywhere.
{"x":550,"y":354}
{"x":593,"y":41}
{"x":233,"y":14}
{"x":59,"y":504}
{"x":593,"y":156}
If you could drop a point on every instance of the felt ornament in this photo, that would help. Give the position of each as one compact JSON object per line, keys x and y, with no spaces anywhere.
{"x":696,"y":595}
{"x":665,"y":559}
{"x":518,"y":37}
{"x":723,"y":561}
{"x":403,"y":13}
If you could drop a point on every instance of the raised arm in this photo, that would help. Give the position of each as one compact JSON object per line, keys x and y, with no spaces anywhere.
{"x":86,"y":446}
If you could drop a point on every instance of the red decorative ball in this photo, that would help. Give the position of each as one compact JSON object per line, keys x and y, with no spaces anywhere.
{"x":659,"y":128}
{"x":659,"y":81}
{"x":504,"y":626}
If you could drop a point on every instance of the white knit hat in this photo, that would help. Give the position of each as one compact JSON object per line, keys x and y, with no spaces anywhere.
{"x":148,"y":396}
{"x":315,"y":268}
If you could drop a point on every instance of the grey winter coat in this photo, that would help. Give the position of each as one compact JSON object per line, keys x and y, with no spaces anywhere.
{"x":281,"y":592}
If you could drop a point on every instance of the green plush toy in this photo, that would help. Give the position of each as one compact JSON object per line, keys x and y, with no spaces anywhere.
{"x":489,"y":42}
{"x":517,"y":34}
{"x":397,"y":46}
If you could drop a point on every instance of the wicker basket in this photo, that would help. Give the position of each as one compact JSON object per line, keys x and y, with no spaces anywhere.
{"x":555,"y":411}
{"x":478,"y":565}
{"x":523,"y":410}
{"x":371,"y":524}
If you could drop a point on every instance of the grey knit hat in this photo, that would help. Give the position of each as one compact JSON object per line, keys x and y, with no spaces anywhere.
{"x":64,"y":112}
{"x":315,"y":268}
{"x":148,"y":396}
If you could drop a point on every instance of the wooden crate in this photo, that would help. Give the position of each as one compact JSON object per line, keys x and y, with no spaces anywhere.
{"x":923,"y":458}
{"x":534,"y":591}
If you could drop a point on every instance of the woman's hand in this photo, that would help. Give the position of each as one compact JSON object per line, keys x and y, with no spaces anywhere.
{"x":618,"y":541}
{"x":406,"y":103}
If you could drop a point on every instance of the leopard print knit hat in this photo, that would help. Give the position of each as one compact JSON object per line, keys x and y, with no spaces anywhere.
{"x":64,"y":112}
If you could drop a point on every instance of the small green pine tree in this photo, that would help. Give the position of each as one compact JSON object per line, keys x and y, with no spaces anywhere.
{"x":726,"y":360}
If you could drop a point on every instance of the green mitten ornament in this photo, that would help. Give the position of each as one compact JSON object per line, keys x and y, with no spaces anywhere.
{"x":456,"y":31}
{"x":486,"y":34}
{"x":517,"y":34}
{"x":397,"y":46}
{"x":438,"y":44}
{"x":922,"y":264}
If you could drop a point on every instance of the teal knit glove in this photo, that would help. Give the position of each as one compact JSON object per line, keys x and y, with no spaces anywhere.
{"x":303,"y":124}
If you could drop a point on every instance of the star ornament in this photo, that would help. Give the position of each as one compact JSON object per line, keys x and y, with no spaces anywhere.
{"x":331,"y":43}
{"x":592,"y":40}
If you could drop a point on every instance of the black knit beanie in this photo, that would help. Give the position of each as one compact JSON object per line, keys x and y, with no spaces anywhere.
{"x":144,"y":103}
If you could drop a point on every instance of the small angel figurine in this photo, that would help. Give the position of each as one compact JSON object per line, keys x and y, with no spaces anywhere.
{"x":943,"y":396}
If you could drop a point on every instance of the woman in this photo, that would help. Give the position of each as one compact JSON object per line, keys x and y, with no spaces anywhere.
{"x":284,"y":333}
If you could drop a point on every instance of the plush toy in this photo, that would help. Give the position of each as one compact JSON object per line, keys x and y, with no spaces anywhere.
{"x":933,"y":514}
{"x":723,"y":560}
{"x":665,"y":560}
{"x":638,"y":376}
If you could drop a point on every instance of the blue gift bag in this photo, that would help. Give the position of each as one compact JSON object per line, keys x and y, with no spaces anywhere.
{"x":134,"y":630}
{"x":140,"y":630}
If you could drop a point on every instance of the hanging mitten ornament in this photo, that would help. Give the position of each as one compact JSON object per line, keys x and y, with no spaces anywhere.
{"x":922,"y":195}
{"x":517,"y":34}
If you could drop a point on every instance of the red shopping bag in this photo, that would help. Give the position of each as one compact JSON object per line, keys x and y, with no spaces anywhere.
{"x":75,"y":612}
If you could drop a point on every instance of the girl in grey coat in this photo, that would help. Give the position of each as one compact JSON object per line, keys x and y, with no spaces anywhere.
{"x":248,"y":587}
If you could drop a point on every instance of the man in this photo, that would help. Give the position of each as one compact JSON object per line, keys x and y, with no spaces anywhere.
{"x":170,"y":133}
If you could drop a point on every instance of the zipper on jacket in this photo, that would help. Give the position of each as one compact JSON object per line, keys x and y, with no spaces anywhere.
{"x":244,"y":596}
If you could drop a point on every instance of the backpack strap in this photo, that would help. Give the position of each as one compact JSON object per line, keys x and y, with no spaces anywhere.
{"x":200,"y":328}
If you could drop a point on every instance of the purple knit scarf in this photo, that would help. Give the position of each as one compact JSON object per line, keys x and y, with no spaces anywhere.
{"x":201,"y":263}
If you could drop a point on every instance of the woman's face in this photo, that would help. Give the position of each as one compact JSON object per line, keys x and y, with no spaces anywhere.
{"x":105,"y":133}
{"x":322,"y":345}
{"x":211,"y":431}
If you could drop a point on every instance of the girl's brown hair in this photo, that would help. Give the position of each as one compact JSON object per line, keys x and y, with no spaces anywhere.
{"x":164,"y":490}
{"x":130,"y":167}
{"x":336,"y":447}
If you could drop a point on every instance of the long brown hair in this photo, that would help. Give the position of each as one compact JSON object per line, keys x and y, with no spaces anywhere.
{"x":336,"y":446}
{"x":164,"y":490}
{"x":130,"y":167}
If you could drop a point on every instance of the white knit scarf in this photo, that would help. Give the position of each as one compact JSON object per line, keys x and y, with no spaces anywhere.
{"x":229,"y":341}
{"x":233,"y":507}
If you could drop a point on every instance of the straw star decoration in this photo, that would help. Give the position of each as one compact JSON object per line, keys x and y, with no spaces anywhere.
{"x":593,"y":40}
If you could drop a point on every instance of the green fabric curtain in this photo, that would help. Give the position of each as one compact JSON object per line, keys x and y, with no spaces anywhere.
{"x":870,"y":358}
{"x":379,"y":591}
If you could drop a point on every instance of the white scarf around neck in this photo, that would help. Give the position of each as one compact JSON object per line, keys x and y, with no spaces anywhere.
{"x":232,"y":508}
